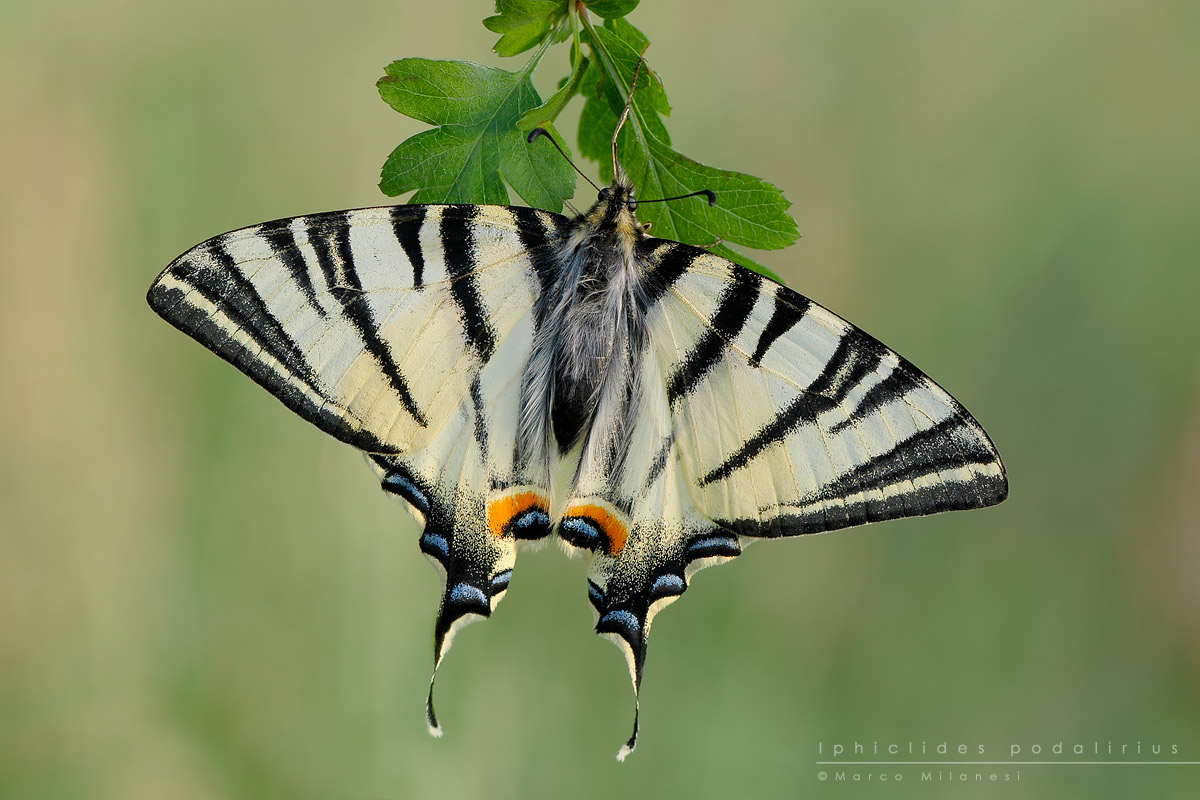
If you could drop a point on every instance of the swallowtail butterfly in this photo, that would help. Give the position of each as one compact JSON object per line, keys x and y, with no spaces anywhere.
{"x":515,"y":375}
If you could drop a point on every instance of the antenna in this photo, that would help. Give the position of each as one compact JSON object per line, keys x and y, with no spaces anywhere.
{"x":709,"y":193}
{"x":536,"y":132}
{"x":625,"y":111}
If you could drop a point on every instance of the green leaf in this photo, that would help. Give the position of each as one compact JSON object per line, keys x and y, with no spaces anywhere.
{"x":476,"y":148}
{"x":548,"y":111}
{"x":611,"y":8}
{"x":523,"y":24}
{"x":749,"y":211}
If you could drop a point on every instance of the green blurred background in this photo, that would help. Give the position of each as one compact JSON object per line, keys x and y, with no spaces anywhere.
{"x":201,"y":596}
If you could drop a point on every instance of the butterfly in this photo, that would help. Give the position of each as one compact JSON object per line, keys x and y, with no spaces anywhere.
{"x":516,"y":376}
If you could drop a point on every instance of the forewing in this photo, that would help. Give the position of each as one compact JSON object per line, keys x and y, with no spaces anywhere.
{"x":790,"y":420}
{"x":370,"y":324}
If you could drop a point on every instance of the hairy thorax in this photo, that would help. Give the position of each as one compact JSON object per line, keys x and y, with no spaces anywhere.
{"x":589,"y":327}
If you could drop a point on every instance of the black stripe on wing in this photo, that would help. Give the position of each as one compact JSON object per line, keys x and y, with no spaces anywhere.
{"x":733,"y":309}
{"x":789,"y":308}
{"x":953,"y":443}
{"x":329,"y":235}
{"x":804,"y":409}
{"x":659,"y":464}
{"x":674,"y":259}
{"x":232,"y":292}
{"x":279,"y":235}
{"x":540,"y":232}
{"x":219,"y":282}
{"x":888,"y":390}
{"x":481,"y":425}
{"x":950,"y":444}
{"x":856,"y":356}
{"x":459,"y":248}
{"x":406,"y":225}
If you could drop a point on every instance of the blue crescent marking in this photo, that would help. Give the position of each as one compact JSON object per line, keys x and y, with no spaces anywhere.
{"x":436,"y":542}
{"x":464,"y":593}
{"x":667,"y":584}
{"x":531,"y":517}
{"x":723,"y":545}
{"x":625,"y":619}
{"x":586,"y":530}
{"x":500,"y":581}
{"x":409,"y":490}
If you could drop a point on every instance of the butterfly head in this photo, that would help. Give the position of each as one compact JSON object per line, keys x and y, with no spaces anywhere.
{"x":616,"y":209}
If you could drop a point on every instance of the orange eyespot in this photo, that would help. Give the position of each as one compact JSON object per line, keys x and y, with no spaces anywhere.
{"x":611,"y":527}
{"x":517,"y":507}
